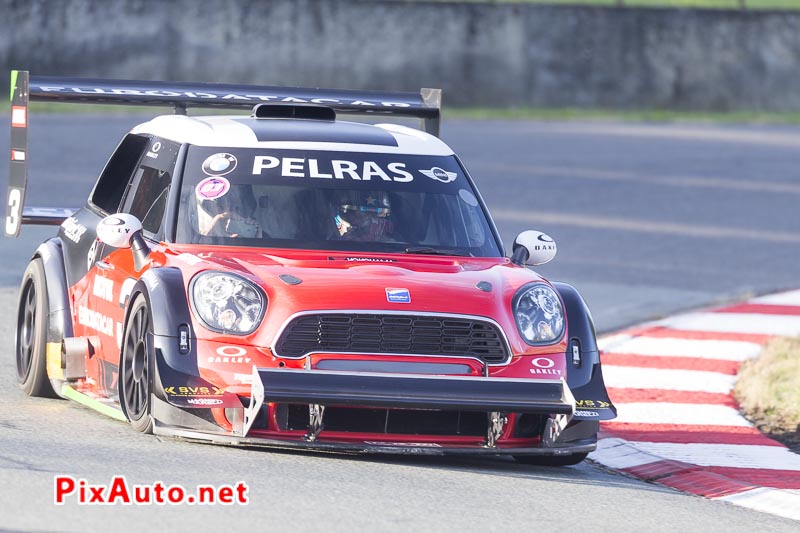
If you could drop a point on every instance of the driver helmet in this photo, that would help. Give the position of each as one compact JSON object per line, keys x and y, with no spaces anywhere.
{"x":364,"y":216}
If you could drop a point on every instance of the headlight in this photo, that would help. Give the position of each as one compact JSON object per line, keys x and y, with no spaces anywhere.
{"x":227,"y":303}
{"x":539,"y":315}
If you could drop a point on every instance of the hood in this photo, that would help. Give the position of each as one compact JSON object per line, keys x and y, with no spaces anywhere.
{"x":296,"y":281}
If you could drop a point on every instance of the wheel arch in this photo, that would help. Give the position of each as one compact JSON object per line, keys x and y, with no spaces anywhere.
{"x":165,"y":293}
{"x":59,"y":311}
{"x":586,"y":378}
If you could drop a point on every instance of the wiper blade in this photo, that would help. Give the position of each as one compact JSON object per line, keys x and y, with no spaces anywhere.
{"x":427,"y":250}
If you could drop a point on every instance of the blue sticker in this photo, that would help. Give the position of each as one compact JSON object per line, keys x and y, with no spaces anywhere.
{"x":398,"y":296}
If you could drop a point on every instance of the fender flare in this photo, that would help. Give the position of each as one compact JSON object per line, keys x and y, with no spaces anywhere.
{"x":585,"y":379}
{"x":55,"y":274}
{"x":165,"y":293}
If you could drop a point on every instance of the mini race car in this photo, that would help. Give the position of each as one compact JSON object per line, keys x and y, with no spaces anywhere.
{"x":290,"y":279}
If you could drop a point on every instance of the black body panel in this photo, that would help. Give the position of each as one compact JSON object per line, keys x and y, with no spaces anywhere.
{"x":586,"y":378}
{"x":60,"y":316}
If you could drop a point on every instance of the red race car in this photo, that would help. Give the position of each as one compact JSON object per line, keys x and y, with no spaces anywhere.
{"x":289,"y":279}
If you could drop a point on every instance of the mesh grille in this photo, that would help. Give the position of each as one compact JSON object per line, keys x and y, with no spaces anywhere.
{"x":392,"y":334}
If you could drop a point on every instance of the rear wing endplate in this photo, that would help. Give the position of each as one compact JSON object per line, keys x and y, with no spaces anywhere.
{"x":425,"y":105}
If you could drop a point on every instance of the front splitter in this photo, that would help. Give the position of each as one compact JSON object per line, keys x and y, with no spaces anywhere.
{"x":364,"y":448}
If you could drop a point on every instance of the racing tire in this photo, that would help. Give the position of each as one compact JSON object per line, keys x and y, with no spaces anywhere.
{"x":30,"y":340}
{"x":136,"y":365}
{"x":551,"y":460}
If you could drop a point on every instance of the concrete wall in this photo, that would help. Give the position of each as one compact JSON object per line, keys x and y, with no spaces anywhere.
{"x":480,"y":54}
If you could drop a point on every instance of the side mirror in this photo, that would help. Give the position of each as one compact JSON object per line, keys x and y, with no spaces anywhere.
{"x":533,"y":248}
{"x":124,"y":231}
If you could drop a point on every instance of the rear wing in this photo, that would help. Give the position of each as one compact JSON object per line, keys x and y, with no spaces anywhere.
{"x":425,"y":105}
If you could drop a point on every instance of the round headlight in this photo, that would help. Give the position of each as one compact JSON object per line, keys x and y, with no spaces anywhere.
{"x":227,"y":303}
{"x":539,"y":314}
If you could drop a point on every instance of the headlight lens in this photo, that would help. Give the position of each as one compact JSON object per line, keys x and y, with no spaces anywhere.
{"x":539,"y":314}
{"x":227,"y":303}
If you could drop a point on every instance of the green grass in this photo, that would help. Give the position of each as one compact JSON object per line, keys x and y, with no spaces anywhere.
{"x":746,"y":117}
{"x":768,"y":388}
{"x":691,"y":4}
{"x":527,"y":113}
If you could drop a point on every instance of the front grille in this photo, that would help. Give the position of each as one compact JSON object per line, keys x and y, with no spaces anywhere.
{"x":392,"y":334}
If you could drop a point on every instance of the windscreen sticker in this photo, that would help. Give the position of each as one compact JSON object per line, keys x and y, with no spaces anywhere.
{"x":468,"y":198}
{"x":153,"y":152}
{"x":327,"y":169}
{"x":212,"y":188}
{"x":219,"y":164}
{"x":298,"y":167}
{"x":440,"y":174}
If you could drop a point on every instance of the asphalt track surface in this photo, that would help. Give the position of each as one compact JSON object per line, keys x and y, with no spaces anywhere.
{"x":649,"y":219}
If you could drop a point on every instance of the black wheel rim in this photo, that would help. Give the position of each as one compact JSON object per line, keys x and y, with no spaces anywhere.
{"x":135,"y":367}
{"x":26,"y":330}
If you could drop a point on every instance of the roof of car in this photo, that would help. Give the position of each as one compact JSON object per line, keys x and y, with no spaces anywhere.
{"x":248,"y":132}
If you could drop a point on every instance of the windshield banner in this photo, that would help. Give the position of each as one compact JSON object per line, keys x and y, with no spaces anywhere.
{"x":392,"y":172}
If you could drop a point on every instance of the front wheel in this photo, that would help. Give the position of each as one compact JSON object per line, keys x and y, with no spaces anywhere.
{"x":30,"y":341}
{"x":551,"y":460}
{"x":136,"y":363}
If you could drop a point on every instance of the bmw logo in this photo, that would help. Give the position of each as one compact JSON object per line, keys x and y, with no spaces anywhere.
{"x":219,"y":164}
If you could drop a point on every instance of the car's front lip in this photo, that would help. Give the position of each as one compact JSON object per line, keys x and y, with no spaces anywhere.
{"x":371,"y":447}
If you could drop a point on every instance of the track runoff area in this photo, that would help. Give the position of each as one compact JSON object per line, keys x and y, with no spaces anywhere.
{"x":680,"y":427}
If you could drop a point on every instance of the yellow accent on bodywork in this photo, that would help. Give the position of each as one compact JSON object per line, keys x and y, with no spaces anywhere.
{"x":91,"y":403}
{"x":53,"y":356}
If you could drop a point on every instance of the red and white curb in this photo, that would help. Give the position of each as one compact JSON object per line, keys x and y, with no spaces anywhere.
{"x":678,"y":423}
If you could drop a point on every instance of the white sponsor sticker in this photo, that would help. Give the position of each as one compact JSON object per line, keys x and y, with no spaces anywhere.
{"x":339,"y":169}
{"x":440,"y":174}
{"x":103,"y":288}
{"x":204,"y":401}
{"x":73,"y":230}
{"x":95,"y":321}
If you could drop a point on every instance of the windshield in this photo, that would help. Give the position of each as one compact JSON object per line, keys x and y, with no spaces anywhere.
{"x":385,"y":203}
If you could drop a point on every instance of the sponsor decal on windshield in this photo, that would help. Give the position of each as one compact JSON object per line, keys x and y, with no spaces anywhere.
{"x":298,"y":167}
{"x":320,"y":169}
{"x":439,"y":174}
{"x":212,"y":188}
{"x":219,"y":164}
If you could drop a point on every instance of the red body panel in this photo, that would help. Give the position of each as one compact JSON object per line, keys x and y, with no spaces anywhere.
{"x":331,"y":281}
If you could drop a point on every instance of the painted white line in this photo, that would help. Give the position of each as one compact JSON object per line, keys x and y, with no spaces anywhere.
{"x":779,"y":502}
{"x":679,"y":413}
{"x":704,"y":349}
{"x":611,"y":342}
{"x":628,"y":377}
{"x":736,"y":323}
{"x":724,"y":455}
{"x":783,"y":298}
{"x":618,"y":453}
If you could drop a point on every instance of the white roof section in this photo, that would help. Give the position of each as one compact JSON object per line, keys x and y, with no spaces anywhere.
{"x":234,"y":132}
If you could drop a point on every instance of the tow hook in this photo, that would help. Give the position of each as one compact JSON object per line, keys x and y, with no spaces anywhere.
{"x":315,"y":414}
{"x":553,"y":429}
{"x":497,"y":423}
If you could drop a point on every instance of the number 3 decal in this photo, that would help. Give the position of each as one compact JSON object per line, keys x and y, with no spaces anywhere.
{"x":12,"y":220}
